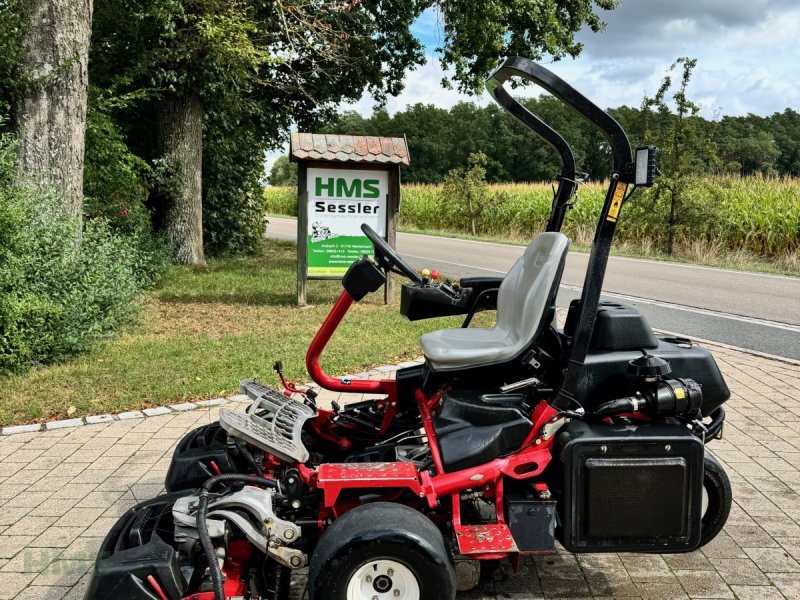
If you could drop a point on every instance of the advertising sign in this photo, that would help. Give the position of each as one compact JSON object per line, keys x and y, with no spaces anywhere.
{"x":339,"y":201}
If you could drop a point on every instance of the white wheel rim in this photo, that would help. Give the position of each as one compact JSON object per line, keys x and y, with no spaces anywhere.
{"x":704,"y":504}
{"x":383,"y":580}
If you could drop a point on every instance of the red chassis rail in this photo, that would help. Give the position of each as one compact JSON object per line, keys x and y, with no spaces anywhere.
{"x":343,"y":384}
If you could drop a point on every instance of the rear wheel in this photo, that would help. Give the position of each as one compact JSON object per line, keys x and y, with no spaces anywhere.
{"x":385,"y":551}
{"x":717,"y":499}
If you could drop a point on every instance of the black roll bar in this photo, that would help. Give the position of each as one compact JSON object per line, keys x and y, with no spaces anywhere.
{"x":524,"y":68}
{"x":574,"y":380}
{"x":567,"y":182}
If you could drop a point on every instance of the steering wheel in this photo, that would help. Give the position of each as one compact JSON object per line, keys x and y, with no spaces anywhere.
{"x":387,"y":257}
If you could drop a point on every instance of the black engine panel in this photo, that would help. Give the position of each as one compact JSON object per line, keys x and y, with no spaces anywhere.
{"x":630,"y":488}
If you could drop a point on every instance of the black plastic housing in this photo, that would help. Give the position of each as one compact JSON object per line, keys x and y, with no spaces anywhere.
{"x":139,"y":545}
{"x":427,"y":302}
{"x":532,"y":521}
{"x":617,"y":327}
{"x":474,"y":428}
{"x":629,"y":488}
{"x":362,"y":278}
{"x":606,"y":376}
{"x":191,"y":462}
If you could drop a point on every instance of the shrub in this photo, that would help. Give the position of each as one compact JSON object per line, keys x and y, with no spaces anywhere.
{"x":233,"y":205}
{"x":113,"y":177}
{"x":62,"y":288}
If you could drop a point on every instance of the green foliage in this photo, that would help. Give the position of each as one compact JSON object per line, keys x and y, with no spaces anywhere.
{"x":466,"y":194}
{"x":61,"y":290}
{"x":283,"y":172}
{"x":113,"y":177}
{"x":10,"y":32}
{"x":440,"y":140}
{"x":257,"y":72}
{"x":476,"y":34}
{"x":281,"y":200}
{"x":685,"y":150}
{"x":759,"y":215}
{"x":233,"y":205}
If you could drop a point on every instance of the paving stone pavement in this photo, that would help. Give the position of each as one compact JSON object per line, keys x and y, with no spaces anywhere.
{"x":61,"y":490}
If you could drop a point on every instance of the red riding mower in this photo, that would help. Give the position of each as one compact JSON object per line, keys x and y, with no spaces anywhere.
{"x":504,"y":441}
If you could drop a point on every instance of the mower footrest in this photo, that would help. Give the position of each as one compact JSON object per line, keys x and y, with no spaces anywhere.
{"x":332,"y":478}
{"x":485,"y":539}
{"x":272,"y":423}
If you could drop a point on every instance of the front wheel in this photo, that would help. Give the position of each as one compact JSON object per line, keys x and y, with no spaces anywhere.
{"x":385,"y":551}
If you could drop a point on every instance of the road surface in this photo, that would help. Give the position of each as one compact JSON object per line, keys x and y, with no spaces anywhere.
{"x":750,"y":310}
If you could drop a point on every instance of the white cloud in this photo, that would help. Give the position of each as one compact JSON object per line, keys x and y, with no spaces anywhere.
{"x":747,"y":55}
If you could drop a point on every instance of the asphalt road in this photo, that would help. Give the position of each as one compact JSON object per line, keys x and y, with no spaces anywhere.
{"x":749,"y":310}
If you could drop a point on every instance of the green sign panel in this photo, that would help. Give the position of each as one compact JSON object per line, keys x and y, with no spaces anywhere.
{"x":339,"y":201}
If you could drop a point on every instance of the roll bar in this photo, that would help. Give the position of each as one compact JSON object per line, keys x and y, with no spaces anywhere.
{"x":528,"y":70}
{"x":623,"y":173}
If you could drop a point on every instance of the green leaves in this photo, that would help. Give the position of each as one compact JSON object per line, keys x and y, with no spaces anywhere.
{"x":61,"y":290}
{"x":478,"y":34}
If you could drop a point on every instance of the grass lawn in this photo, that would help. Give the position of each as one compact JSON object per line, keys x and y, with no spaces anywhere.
{"x":204,"y":329}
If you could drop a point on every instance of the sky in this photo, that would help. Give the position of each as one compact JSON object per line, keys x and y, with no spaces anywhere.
{"x":747,"y":51}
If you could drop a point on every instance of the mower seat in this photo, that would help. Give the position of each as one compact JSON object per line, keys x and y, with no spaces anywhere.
{"x":525,"y":295}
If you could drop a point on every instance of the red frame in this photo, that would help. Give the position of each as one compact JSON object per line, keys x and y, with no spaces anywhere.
{"x":321,"y":339}
{"x":333,"y":478}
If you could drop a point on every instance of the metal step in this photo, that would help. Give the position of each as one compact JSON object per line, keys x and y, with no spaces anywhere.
{"x":273,"y":422}
{"x":485,"y":539}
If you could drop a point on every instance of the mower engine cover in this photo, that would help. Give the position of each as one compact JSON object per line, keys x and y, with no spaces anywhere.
{"x":630,"y":488}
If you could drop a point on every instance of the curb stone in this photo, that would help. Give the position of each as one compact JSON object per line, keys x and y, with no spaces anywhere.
{"x":131,"y":414}
{"x":22,"y":429}
{"x":62,"y":424}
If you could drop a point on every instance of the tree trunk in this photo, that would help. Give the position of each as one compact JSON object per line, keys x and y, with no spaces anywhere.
{"x":673,"y":205}
{"x":181,"y":143}
{"x":50,"y":115}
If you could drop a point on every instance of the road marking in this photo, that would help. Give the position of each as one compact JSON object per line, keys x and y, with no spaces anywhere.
{"x":699,"y":311}
{"x":454,"y":264}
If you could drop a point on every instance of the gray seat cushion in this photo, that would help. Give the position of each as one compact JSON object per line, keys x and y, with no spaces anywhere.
{"x":522,"y":300}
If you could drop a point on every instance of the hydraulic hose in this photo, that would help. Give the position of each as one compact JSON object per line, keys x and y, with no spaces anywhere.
{"x":202,"y":528}
{"x":630,"y":404}
{"x":248,"y":457}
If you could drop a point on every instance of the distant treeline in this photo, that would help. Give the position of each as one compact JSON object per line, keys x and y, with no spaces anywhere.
{"x":440,"y":140}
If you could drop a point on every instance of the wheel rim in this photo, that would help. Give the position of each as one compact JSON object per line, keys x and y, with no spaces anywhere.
{"x":383,"y":580}
{"x":705,"y":502}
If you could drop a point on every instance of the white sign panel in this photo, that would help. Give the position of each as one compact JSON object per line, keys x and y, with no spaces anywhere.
{"x":339,"y":201}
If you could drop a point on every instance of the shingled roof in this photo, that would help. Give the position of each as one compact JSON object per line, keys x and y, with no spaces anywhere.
{"x":349,"y":148}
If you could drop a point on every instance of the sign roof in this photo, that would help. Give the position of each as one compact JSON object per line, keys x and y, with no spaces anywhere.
{"x":349,"y":148}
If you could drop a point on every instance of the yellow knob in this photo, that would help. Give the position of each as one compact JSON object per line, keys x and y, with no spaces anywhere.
{"x":426,"y":273}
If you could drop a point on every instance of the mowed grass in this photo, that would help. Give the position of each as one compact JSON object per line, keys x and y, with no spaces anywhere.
{"x":204,"y":329}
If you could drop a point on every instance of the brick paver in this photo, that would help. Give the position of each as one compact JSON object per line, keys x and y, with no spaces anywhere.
{"x":62,"y":489}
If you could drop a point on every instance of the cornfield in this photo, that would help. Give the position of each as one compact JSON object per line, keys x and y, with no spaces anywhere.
{"x":726,"y":214}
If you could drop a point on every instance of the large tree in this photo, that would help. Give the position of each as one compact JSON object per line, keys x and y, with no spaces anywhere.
{"x":51,"y":88}
{"x":238,"y":73}
{"x":245,"y":70}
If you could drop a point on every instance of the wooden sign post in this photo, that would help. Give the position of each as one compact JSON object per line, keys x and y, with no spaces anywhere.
{"x":342,"y":182}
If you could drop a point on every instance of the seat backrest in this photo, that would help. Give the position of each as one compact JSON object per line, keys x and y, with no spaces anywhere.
{"x":529,"y":288}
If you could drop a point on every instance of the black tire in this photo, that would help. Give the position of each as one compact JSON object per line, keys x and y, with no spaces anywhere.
{"x":720,"y":498}
{"x":381,"y":531}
